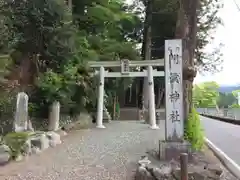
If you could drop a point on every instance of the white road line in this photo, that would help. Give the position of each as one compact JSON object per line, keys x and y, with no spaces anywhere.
{"x":227,"y":161}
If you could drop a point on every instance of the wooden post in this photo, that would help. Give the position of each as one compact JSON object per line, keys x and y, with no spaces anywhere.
{"x":184,"y":166}
{"x":160,"y":149}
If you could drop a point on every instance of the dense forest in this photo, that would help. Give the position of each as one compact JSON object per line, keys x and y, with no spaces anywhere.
{"x":45,"y":45}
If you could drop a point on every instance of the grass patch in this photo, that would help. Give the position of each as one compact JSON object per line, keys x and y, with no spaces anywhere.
{"x":193,"y":130}
{"x":16,"y":141}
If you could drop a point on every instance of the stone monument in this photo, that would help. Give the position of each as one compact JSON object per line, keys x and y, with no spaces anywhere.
{"x":21,"y":114}
{"x":54,"y":116}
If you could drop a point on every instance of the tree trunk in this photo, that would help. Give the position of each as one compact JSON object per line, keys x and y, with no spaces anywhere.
{"x":186,"y":29}
{"x":147,"y":39}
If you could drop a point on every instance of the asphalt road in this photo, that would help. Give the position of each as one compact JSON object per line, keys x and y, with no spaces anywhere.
{"x":225,"y":136}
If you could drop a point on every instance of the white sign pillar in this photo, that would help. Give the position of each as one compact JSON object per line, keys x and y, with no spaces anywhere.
{"x":174,"y":90}
{"x":100,"y":98}
{"x":151,"y":110}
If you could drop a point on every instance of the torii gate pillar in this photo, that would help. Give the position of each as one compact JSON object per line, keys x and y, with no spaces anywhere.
{"x":151,"y":110}
{"x":100,"y":99}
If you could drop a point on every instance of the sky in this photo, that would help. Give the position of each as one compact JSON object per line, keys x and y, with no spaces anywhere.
{"x":229,"y":35}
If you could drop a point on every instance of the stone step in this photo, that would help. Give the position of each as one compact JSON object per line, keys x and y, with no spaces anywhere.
{"x":129,"y":114}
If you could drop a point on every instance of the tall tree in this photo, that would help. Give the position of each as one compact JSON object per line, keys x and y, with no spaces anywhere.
{"x":112,"y":34}
{"x":196,"y":21}
{"x":50,"y":55}
{"x":35,"y":30}
{"x":186,"y":29}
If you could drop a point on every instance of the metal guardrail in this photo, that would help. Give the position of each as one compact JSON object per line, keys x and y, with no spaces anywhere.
{"x":232,"y":113}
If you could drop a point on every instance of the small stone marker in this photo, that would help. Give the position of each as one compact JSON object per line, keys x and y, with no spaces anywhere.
{"x":21,"y":114}
{"x":54,"y":116}
{"x":41,"y":141}
{"x":54,"y":138}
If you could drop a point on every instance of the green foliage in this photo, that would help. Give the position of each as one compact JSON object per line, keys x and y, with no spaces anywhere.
{"x":232,"y":99}
{"x":5,"y":63}
{"x":114,"y":89}
{"x":205,"y":94}
{"x":109,"y":28}
{"x":7,"y":108}
{"x":40,"y":32}
{"x":8,"y":90}
{"x":235,"y":93}
{"x":38,"y":27}
{"x":235,"y":106}
{"x":60,"y":44}
{"x":16,"y":142}
{"x":226,"y":100}
{"x":194,"y":131}
{"x":163,"y":24}
{"x":72,"y":88}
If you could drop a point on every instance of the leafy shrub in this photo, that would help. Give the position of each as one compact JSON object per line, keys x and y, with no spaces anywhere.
{"x":235,"y":106}
{"x":8,"y":95}
{"x":193,"y":130}
{"x":16,"y":141}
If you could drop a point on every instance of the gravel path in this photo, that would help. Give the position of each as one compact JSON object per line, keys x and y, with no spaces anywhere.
{"x":94,"y":154}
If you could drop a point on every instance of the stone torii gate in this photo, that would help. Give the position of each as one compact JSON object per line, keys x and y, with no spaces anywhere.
{"x":174,"y":123}
{"x":125,"y":72}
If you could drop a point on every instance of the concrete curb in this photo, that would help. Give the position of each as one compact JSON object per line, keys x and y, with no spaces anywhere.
{"x":226,"y":161}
